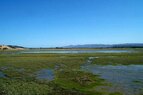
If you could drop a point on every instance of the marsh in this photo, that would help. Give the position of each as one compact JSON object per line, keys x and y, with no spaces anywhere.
{"x":96,"y":73}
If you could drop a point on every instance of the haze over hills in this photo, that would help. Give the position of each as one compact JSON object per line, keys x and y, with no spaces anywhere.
{"x":127,"y":45}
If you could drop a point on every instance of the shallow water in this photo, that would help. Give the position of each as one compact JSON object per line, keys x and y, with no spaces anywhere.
{"x":2,"y":75}
{"x":76,"y":51}
{"x":45,"y":74}
{"x":125,"y":79}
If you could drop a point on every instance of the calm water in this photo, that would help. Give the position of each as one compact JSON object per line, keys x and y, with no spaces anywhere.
{"x":76,"y":51}
{"x":45,"y":74}
{"x":125,"y":79}
{"x":2,"y":75}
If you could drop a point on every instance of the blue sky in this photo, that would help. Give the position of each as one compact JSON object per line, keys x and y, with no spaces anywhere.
{"x":47,"y":23}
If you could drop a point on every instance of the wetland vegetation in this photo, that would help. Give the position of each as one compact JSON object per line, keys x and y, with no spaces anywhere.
{"x":65,"y":73}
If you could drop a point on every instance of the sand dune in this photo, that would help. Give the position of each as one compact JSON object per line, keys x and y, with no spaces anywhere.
{"x":10,"y":47}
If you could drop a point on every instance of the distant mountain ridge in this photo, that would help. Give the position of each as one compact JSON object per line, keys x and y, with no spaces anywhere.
{"x":127,"y":45}
{"x":11,"y":47}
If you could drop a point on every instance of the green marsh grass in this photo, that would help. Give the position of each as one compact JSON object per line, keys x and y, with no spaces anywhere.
{"x":69,"y":78}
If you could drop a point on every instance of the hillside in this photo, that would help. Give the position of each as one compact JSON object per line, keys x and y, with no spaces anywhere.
{"x":11,"y":47}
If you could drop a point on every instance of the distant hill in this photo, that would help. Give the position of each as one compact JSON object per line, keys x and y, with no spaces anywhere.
{"x":128,"y":45}
{"x":11,"y":47}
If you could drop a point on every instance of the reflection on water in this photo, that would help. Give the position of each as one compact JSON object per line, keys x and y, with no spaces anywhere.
{"x":2,"y":75}
{"x":76,"y":51}
{"x":45,"y":74}
{"x":127,"y":79}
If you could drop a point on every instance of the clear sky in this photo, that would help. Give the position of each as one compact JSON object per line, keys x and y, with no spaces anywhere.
{"x":46,"y":23}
